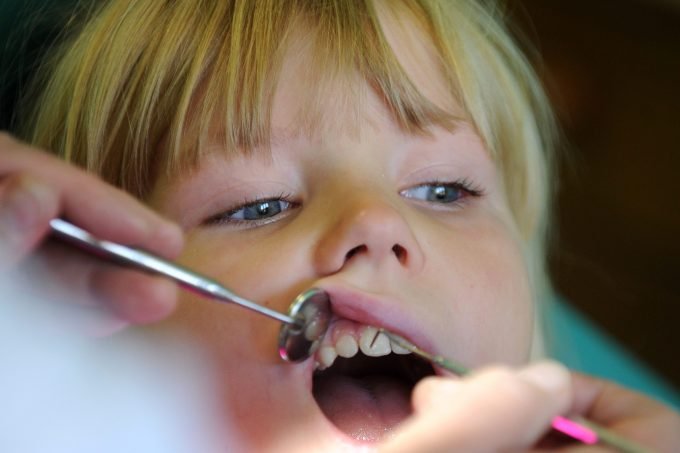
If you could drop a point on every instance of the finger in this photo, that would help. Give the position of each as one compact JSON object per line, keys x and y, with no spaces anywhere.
{"x":626,"y":412}
{"x":105,"y":296}
{"x":494,"y":409}
{"x":92,"y":204}
{"x":590,"y":393}
{"x":133,"y":296}
{"x":26,"y":207}
{"x":430,"y":391}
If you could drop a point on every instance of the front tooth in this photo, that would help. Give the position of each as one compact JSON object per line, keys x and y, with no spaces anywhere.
{"x":327,"y":355}
{"x":347,"y":346}
{"x":374,"y":344}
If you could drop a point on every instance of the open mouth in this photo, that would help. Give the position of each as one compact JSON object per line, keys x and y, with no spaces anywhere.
{"x":364,"y":384}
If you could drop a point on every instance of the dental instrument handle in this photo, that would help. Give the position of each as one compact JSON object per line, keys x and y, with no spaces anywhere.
{"x":582,"y":430}
{"x":148,"y":262}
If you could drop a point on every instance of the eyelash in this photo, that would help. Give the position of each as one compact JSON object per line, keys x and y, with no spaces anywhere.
{"x":468,"y":187}
{"x":223,"y":218}
{"x":465,"y":184}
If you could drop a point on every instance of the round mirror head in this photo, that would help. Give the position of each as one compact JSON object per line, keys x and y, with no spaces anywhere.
{"x":312,"y":309}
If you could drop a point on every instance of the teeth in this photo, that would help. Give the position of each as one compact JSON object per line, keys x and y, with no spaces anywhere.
{"x":374,"y":344}
{"x":327,"y":355}
{"x":347,"y":346}
{"x":350,"y":338}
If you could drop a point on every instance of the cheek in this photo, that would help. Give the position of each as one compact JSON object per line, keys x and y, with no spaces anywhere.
{"x":241,"y":348}
{"x":255,"y":269}
{"x":242,"y":344}
{"x":487,"y":296}
{"x":265,"y":269}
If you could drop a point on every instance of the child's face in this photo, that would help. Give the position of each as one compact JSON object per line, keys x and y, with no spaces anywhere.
{"x":408,"y":232}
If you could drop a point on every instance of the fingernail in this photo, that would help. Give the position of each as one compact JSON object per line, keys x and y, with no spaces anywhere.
{"x":549,"y":376}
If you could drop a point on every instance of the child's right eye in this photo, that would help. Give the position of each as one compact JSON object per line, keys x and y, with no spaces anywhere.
{"x":254,"y":213}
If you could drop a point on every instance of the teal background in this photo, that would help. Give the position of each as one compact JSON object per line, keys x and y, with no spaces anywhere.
{"x":581,"y":345}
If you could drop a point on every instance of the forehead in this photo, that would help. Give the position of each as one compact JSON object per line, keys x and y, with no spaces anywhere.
{"x":383,"y":69}
{"x":321,"y":101}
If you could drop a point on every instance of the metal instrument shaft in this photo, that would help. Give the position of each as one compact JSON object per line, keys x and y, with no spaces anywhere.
{"x":153,"y":264}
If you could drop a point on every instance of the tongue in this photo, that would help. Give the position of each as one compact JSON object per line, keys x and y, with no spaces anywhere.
{"x":365,"y":408}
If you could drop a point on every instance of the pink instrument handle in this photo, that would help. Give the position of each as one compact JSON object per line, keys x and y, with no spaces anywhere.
{"x":575,"y":430}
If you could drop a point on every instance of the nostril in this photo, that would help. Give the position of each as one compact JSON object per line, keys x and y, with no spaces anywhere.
{"x":354,"y":251}
{"x":400,"y":253}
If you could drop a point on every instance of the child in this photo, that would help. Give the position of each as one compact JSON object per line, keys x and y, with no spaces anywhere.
{"x":395,"y":154}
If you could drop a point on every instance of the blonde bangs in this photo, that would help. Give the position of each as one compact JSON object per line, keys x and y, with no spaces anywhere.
{"x":340,"y":40}
{"x":145,"y":74}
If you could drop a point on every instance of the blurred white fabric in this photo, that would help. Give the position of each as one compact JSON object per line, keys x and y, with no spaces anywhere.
{"x":62,"y":391}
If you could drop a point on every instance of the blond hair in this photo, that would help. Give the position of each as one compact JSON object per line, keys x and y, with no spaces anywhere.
{"x":140,"y":72}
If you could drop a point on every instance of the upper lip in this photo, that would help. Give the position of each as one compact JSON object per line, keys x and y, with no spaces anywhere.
{"x":362,"y":307}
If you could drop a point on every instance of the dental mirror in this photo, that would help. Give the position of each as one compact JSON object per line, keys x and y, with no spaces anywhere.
{"x":313,"y":309}
{"x":303,"y":327}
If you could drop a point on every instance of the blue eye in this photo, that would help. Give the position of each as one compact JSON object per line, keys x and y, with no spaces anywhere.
{"x":442,"y":192}
{"x":254,"y":213}
{"x":438,"y":193}
{"x":259,"y":210}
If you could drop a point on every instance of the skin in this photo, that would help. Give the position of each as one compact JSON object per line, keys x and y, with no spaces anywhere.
{"x":457,"y":282}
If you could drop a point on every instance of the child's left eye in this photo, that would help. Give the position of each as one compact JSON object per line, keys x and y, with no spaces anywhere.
{"x":441,"y":192}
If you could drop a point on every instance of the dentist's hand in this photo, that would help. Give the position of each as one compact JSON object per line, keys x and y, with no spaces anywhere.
{"x":36,"y":187}
{"x":499,"y":409}
{"x":625,"y":412}
{"x":491,"y":410}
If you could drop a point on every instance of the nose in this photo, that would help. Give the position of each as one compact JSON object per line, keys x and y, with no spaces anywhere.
{"x":368,"y":229}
